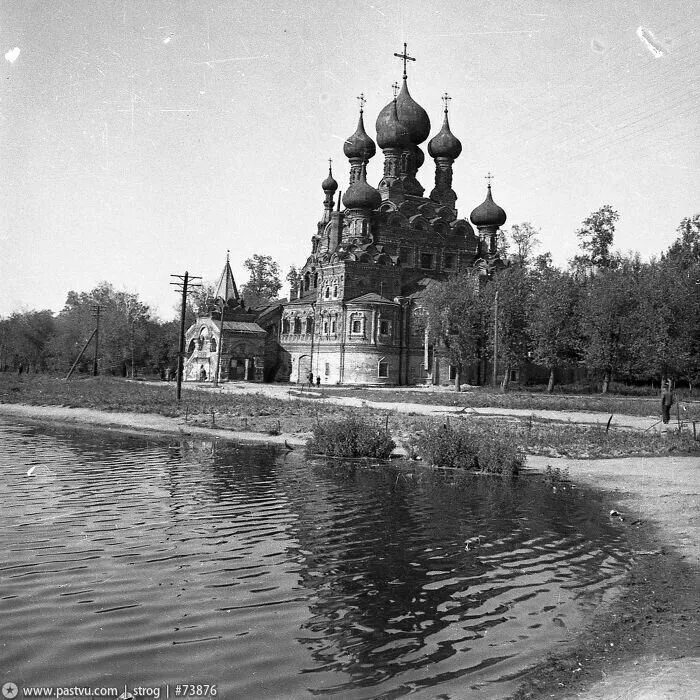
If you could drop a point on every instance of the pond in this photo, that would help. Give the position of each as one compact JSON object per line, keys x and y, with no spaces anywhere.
{"x":127,"y":561}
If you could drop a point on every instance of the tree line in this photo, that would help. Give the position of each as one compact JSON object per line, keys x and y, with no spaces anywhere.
{"x":131,"y":340}
{"x":612,"y":315}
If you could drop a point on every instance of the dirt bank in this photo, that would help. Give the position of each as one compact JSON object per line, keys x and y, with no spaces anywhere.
{"x":646,"y":645}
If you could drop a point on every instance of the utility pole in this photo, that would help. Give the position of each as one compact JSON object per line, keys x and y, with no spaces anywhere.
{"x":185,"y":286}
{"x":96,"y":314}
{"x":495,"y":341}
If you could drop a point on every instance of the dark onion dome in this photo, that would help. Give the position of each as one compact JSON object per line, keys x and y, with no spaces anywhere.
{"x":420,"y":157}
{"x":488,"y":213}
{"x":329,"y":184}
{"x":360,"y":195}
{"x":411,"y":114}
{"x":359,"y":145}
{"x":444,"y":144}
{"x":391,"y":133}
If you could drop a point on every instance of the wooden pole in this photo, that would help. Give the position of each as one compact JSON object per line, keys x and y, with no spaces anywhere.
{"x":97,"y":339}
{"x":81,"y":353}
{"x":181,"y":352}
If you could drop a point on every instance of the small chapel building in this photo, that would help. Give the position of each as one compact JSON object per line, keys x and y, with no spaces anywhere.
{"x":226,"y":339}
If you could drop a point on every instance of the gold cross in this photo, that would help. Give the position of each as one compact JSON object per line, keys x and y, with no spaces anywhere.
{"x":489,"y":177}
{"x":361,"y":99}
{"x":404,"y":57}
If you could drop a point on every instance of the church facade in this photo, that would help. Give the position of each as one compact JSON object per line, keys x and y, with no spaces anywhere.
{"x":354,"y":314}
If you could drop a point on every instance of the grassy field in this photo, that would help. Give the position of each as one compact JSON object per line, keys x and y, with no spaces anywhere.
{"x":485,"y":397}
{"x":261,"y":414}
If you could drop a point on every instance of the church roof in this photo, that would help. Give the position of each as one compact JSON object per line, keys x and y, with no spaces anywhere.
{"x":243,"y":327}
{"x":226,"y":286}
{"x":371,"y":297}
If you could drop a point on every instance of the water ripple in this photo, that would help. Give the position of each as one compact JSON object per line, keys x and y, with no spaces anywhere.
{"x":143,"y":563}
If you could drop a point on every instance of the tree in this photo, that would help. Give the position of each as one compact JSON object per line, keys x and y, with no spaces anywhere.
{"x":122,"y":334}
{"x":606,"y":308}
{"x":264,"y":283}
{"x":552,"y":320}
{"x":513,"y":287}
{"x":525,"y":238}
{"x":596,"y":238}
{"x":456,"y":315}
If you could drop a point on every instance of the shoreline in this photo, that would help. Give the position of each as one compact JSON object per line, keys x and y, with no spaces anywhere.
{"x":657,"y":659}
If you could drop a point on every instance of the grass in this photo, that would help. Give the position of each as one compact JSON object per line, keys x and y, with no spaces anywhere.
{"x":485,"y":397}
{"x":262,"y":414}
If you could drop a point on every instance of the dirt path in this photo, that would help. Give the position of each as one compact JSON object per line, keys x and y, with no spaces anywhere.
{"x":661,"y":492}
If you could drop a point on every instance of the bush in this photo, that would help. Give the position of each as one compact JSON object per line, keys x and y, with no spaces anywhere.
{"x":476,"y":448}
{"x":350,"y":437}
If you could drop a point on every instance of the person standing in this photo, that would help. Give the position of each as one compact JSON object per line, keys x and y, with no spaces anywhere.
{"x":667,"y":399}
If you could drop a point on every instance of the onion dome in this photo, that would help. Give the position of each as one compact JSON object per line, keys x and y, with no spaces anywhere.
{"x":488,"y":213}
{"x":420,"y":157}
{"x":445,"y":144}
{"x":360,"y":195}
{"x":359,"y":145}
{"x":391,"y":133}
{"x":411,"y":114}
{"x":329,"y":185}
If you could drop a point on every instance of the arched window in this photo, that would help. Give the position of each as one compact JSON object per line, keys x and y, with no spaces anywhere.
{"x":212,"y":345}
{"x":327,"y":293}
{"x":285,"y":326}
{"x":297,"y":326}
{"x":315,"y":280}
{"x":307,"y":281}
{"x":309,"y":326}
{"x":335,"y":292}
{"x":191,"y":346}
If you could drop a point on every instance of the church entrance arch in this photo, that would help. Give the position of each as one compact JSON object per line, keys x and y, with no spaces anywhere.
{"x":304,"y":369}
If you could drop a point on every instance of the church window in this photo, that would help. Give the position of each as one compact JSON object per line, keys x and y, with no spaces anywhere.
{"x":325,"y":327}
{"x":307,"y":279}
{"x":212,"y":345}
{"x":365,"y":229}
{"x":453,"y":372}
{"x":449,"y":261}
{"x":309,"y":326}
{"x":285,"y":326}
{"x":333,"y":326}
{"x":328,"y":368}
{"x":327,"y":293}
{"x":191,"y":346}
{"x":383,"y":369}
{"x":335,"y":292}
{"x":356,"y":326}
{"x":297,"y":326}
{"x":315,"y":280}
{"x":426,"y":261}
{"x":383,"y":327}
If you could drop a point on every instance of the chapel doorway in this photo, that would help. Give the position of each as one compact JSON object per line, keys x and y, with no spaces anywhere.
{"x":304,"y":369}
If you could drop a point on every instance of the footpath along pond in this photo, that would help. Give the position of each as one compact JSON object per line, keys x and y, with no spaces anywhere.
{"x":126,"y":561}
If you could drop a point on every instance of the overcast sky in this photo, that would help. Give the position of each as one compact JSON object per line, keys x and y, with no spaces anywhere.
{"x":140,"y":138}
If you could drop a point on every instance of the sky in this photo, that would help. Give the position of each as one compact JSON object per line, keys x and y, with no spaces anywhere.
{"x":143,"y":138}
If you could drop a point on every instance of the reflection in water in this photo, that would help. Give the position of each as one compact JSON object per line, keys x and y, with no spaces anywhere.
{"x":144,"y":563}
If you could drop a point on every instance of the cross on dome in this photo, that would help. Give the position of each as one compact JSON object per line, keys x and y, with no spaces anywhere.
{"x":395,"y":88}
{"x":361,"y":99}
{"x":404,"y":57}
{"x":489,"y":177}
{"x":446,"y":100}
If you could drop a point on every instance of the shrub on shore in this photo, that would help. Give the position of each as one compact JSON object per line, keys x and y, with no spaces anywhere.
{"x":470,"y":447}
{"x":350,"y":437}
